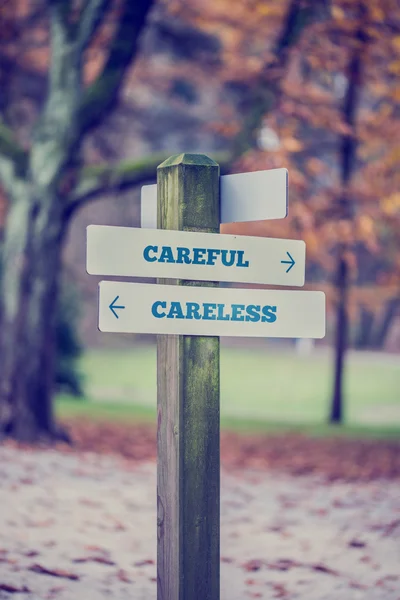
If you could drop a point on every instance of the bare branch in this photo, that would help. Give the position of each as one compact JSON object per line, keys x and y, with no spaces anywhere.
{"x":91,"y":18}
{"x":99,"y":180}
{"x":102,"y":95}
{"x":96,"y":181}
{"x":11,"y":152}
{"x":60,"y":35}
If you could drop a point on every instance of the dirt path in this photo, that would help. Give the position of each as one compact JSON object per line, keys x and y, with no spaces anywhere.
{"x":83,"y":527}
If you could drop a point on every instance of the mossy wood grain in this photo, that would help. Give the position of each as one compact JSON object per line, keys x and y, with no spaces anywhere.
{"x":188,"y":480}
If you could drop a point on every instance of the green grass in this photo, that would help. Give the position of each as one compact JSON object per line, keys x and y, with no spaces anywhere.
{"x":133,"y":413}
{"x":260,"y":390}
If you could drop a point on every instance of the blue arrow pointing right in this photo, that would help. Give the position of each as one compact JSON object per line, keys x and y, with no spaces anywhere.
{"x":113,"y":307}
{"x":291,"y":262}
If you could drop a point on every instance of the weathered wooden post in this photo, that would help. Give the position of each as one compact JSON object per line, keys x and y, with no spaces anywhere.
{"x":188,"y":477}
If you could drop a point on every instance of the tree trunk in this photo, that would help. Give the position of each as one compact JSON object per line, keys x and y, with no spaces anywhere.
{"x":365,"y":331}
{"x":391,"y":310}
{"x":342,"y":285}
{"x":31,"y":261}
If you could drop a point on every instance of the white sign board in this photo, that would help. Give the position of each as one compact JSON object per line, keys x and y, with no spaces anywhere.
{"x":206,"y":311}
{"x":135,"y":252}
{"x":254,"y":196}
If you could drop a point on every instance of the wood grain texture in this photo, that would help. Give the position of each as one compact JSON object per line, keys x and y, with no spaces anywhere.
{"x":188,"y":474}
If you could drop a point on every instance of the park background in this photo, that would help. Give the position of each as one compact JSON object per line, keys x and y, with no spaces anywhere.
{"x":93,"y":97}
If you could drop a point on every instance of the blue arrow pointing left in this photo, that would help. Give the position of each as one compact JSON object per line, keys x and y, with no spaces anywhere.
{"x":113,"y":307}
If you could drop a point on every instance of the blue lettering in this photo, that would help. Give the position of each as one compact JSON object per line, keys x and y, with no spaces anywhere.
{"x":146,"y":253}
{"x":198,"y":254}
{"x":166,"y":255}
{"x":224,"y":257}
{"x":193,"y":310}
{"x":253,"y":313}
{"x":237,"y":309}
{"x":208,"y":311}
{"x":221,"y":316}
{"x":156,"y":306}
{"x":269,"y":315}
{"x":212,"y":255}
{"x":240,"y":262}
{"x":175,"y":312}
{"x":183,"y":256}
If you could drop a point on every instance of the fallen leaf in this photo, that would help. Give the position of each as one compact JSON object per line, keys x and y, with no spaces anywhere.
{"x":98,"y":559}
{"x":390,"y":528}
{"x":324,"y":569}
{"x":142,"y":563}
{"x":252,"y":565}
{"x":358,"y":586}
{"x":280,"y":590}
{"x":357,"y":544}
{"x":12,"y":589}
{"x":283,"y":564}
{"x":123,"y":576}
{"x":53,"y":572}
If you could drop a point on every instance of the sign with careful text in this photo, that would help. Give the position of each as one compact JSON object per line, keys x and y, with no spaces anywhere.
{"x":186,"y":310}
{"x":254,"y":196}
{"x":134,"y":252}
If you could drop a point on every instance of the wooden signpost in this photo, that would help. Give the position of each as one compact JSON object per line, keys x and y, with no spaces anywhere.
{"x":188,"y":312}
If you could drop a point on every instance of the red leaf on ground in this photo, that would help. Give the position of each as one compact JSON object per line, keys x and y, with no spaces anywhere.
{"x":53,"y":572}
{"x":349,"y":460}
{"x":98,"y":559}
{"x":280,"y":590}
{"x":250,"y":581}
{"x":324,"y":569}
{"x":142,"y":563}
{"x":12,"y":589}
{"x":283,"y":564}
{"x":123,"y":576}
{"x":390,"y":527}
{"x":31,"y":553}
{"x":226,"y":559}
{"x":357,"y":544}
{"x":387,"y":579}
{"x":96,"y":549}
{"x":252,"y":565}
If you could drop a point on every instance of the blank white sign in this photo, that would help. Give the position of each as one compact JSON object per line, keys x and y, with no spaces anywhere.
{"x":206,"y":311}
{"x":136,"y":252}
{"x":254,"y":196}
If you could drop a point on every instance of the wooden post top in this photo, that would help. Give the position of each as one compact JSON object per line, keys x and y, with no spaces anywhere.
{"x":188,"y":159}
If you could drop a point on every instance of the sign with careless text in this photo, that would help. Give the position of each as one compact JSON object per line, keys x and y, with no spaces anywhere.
{"x":206,"y":311}
{"x":134,"y":252}
{"x":254,"y":196}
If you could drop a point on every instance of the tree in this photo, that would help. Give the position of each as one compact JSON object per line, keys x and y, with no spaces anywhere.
{"x":336,"y":128}
{"x":45,"y":183}
{"x":347,"y":154}
{"x":48,"y":181}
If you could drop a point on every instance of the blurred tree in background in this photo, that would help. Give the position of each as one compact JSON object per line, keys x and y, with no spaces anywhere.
{"x":68,"y":346}
{"x":309,"y":85}
{"x":43,"y":178}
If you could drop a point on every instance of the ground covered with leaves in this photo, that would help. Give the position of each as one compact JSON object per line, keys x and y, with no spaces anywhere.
{"x":301,"y":518}
{"x":336,"y":458}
